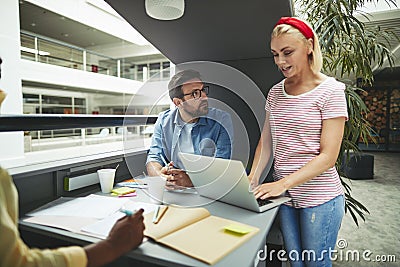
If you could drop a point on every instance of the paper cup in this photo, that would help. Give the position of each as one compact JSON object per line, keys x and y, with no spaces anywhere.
{"x":106,"y":177}
{"x":156,"y":187}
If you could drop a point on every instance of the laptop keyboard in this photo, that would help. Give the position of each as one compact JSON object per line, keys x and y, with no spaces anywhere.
{"x":262,"y":202}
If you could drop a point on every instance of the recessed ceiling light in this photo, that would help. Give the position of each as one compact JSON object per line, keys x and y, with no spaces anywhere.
{"x":33,"y":24}
{"x":65,"y":34}
{"x":62,"y":18}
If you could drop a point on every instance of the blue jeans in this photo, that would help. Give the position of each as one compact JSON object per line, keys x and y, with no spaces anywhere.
{"x":310,"y":234}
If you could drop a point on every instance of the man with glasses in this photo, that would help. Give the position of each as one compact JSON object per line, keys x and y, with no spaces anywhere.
{"x":192,"y":127}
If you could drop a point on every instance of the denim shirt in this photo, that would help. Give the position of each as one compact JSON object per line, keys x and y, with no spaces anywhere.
{"x":212,"y":136}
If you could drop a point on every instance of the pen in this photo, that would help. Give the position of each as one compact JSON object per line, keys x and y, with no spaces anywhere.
{"x":161,"y":214}
{"x":163,"y":159}
{"x":156,"y":214}
{"x":166,"y":164}
{"x":127,"y":212}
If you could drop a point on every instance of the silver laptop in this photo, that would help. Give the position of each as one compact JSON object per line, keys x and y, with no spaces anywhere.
{"x":225,"y":180}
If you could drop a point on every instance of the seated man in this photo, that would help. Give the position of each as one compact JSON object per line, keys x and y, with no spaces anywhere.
{"x":192,"y":127}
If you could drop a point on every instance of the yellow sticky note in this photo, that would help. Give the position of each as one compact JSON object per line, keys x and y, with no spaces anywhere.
{"x":238,"y":229}
{"x":122,"y":190}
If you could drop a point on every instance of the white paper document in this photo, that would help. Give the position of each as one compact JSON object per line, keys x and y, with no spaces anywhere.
{"x":92,"y":206}
{"x":103,"y":227}
{"x":93,"y":215}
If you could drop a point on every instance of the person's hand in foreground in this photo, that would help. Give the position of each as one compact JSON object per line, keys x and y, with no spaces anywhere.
{"x":126,"y":234}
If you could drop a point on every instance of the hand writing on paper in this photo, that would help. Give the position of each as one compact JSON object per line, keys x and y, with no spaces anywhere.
{"x":126,"y":234}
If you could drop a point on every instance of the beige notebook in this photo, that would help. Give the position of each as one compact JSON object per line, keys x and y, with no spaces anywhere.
{"x":194,"y":232}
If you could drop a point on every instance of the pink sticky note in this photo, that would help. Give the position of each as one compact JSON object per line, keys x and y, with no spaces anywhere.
{"x":133,"y":194}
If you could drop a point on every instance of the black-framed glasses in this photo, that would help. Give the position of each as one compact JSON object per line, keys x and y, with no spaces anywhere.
{"x":196,"y":94}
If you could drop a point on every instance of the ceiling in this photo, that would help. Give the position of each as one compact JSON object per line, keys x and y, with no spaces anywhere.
{"x":209,"y":30}
{"x":44,"y":22}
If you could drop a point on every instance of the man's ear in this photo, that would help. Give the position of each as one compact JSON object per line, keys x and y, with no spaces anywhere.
{"x":177,"y":101}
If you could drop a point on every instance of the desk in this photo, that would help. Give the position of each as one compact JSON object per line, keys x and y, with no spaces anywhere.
{"x":153,"y":254}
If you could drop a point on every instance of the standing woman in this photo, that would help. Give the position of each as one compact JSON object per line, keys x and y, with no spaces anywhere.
{"x":306,"y":113}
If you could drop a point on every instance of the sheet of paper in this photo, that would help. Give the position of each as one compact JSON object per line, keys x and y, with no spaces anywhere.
{"x":92,"y":206}
{"x":102,"y":227}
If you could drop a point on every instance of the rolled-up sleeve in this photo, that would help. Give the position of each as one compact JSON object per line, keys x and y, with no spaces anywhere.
{"x":225,"y":137}
{"x":156,"y":143}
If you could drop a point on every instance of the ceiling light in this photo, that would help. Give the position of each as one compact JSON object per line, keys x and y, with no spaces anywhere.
{"x":165,"y":9}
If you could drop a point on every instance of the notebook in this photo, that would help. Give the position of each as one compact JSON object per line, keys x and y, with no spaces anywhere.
{"x":197,"y":233}
{"x":226,"y":181}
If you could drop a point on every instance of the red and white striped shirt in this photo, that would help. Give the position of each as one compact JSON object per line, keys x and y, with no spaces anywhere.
{"x":296,"y":124}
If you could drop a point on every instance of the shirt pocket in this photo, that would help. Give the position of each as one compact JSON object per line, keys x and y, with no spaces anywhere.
{"x":207,"y":147}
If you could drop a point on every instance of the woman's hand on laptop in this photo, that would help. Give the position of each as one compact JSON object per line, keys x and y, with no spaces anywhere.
{"x":267,"y":190}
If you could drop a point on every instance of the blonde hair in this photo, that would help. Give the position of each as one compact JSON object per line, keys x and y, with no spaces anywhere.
{"x":315,"y":58}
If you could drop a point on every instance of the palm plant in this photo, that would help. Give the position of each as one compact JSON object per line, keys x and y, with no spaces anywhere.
{"x":350,"y":49}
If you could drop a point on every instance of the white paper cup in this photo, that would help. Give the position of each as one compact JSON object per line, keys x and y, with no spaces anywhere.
{"x":156,"y":187}
{"x":106,"y":177}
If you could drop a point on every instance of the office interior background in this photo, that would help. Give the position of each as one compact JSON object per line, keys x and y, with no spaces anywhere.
{"x":77,"y":57}
{"x":83,"y":58}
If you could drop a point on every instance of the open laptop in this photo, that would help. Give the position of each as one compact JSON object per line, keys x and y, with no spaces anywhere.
{"x":225,"y":180}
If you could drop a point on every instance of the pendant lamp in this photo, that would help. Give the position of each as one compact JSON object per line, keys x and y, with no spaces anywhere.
{"x":165,"y":9}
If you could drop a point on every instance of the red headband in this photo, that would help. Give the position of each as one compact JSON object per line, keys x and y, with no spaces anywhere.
{"x":298,"y":24}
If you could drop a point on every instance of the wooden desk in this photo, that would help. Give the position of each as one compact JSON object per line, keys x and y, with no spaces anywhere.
{"x":152,"y":254}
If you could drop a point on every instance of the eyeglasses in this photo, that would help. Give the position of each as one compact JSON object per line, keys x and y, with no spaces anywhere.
{"x":196,"y":94}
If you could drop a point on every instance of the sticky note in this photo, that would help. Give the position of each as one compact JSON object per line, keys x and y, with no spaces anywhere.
{"x":238,"y":229}
{"x":122,"y":190}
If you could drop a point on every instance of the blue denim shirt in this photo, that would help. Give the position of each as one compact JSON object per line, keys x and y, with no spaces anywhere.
{"x":212,"y":136}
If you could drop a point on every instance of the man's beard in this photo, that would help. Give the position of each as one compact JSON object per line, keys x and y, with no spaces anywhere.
{"x":201,"y":111}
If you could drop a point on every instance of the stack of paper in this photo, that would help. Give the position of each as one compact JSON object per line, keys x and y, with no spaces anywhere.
{"x":93,"y":215}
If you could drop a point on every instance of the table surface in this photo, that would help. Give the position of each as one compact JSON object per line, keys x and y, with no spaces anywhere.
{"x":153,"y":253}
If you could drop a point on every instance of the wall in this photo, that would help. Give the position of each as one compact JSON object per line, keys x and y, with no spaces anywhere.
{"x":11,"y":144}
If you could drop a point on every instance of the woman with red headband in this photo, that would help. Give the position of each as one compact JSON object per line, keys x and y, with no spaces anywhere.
{"x":306,"y":113}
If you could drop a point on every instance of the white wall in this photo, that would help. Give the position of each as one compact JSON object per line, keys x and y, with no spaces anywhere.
{"x":88,"y":12}
{"x":11,"y":144}
{"x":62,"y":76}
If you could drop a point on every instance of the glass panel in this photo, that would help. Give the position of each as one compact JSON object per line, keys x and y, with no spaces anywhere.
{"x":28,"y":47}
{"x":80,"y":101}
{"x":31,"y":98}
{"x":57,"y":54}
{"x":59,"y":100}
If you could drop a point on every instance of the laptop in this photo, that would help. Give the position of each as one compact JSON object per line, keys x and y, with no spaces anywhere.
{"x":225,"y":180}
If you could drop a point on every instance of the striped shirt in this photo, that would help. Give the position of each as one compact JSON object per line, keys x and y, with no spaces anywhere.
{"x":296,"y":124}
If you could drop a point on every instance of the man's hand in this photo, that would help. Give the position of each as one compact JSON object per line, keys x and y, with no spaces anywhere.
{"x":179,"y":178}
